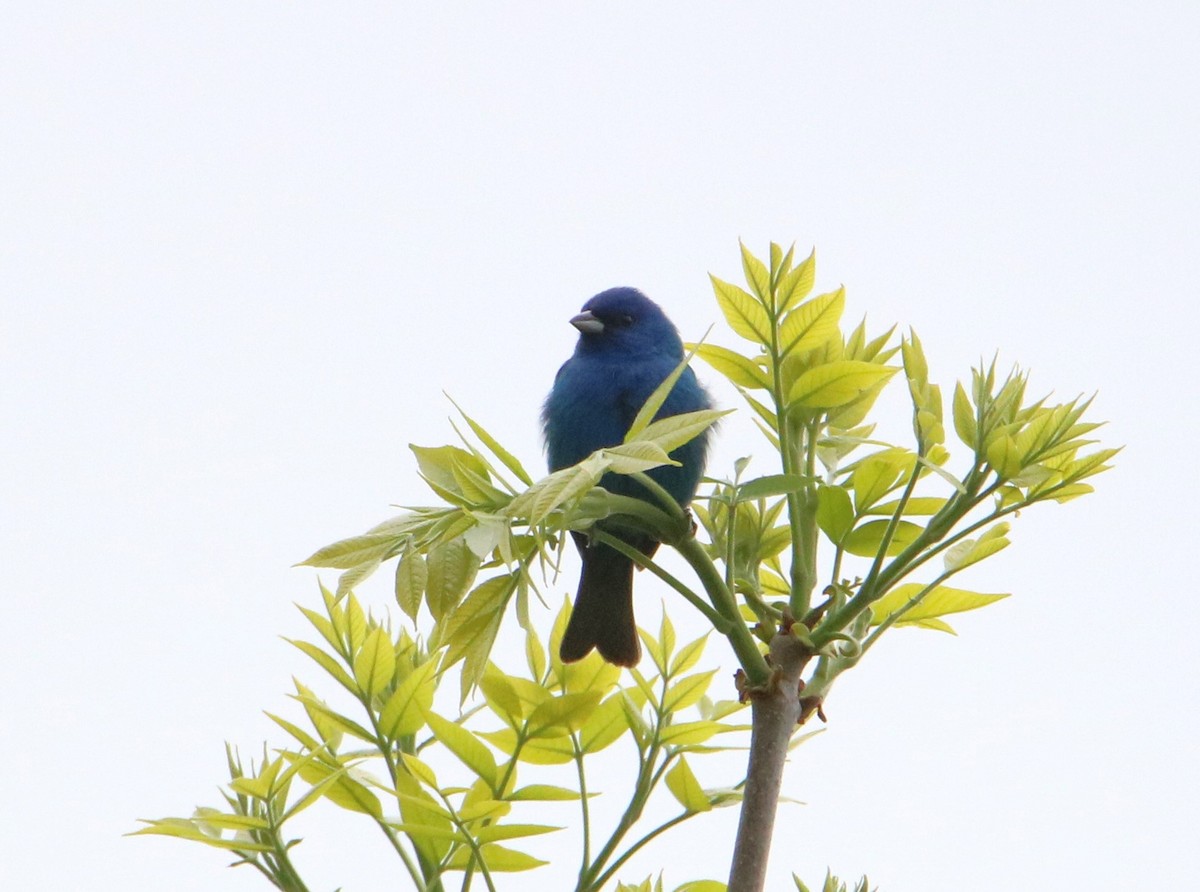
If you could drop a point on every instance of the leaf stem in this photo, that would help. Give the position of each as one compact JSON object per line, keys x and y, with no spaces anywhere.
{"x":719,"y":621}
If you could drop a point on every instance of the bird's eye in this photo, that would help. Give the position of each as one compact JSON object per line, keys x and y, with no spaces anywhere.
{"x":626,"y":319}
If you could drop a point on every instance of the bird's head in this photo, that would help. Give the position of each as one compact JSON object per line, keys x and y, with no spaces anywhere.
{"x":625,"y":320}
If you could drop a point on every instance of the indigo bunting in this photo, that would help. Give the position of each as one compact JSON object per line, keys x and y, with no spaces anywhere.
{"x":626,"y":347}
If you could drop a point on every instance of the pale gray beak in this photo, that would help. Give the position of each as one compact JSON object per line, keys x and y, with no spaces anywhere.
{"x":587,"y":323}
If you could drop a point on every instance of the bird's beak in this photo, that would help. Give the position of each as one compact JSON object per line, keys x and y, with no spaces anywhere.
{"x":587,"y":323}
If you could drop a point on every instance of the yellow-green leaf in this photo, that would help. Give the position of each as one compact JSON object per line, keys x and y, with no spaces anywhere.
{"x":917,"y":506}
{"x":506,"y":458}
{"x":185,"y":828}
{"x":688,"y":655}
{"x":687,"y":691}
{"x":543,"y":793}
{"x":673,"y":431}
{"x":497,"y":858}
{"x":420,"y":770}
{"x":796,"y":285}
{"x":375,"y":664}
{"x":738,"y":369}
{"x":326,"y":662}
{"x":837,"y":383}
{"x":501,"y":696}
{"x":940,"y":601}
{"x":345,"y":791}
{"x":743,"y":312}
{"x":865,"y":540}
{"x":404,"y":712}
{"x":756,"y":275}
{"x":876,"y":476}
{"x":493,"y":832}
{"x":464,"y":744}
{"x":1004,"y":456}
{"x":972,"y":551}
{"x":691,"y":732}
{"x":835,"y":513}
{"x":604,"y":726}
{"x":686,"y":789}
{"x":411,"y":575}
{"x":812,"y":323}
{"x":349,"y":553}
{"x":560,"y":716}
{"x":544,"y":751}
{"x":472,"y":627}
{"x":451,"y":568}
{"x":964,"y":417}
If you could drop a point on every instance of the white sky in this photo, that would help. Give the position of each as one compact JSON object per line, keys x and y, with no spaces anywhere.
{"x":245,"y":246}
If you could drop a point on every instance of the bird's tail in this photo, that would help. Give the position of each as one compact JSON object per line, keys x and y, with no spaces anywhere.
{"x":603,"y":613}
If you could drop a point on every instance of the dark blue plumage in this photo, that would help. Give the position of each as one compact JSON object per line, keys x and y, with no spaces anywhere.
{"x":626,"y":347}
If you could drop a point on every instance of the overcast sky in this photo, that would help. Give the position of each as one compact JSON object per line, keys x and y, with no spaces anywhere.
{"x":244,"y":247}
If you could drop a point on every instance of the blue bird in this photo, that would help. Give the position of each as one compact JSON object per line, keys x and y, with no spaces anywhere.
{"x":626,"y":347}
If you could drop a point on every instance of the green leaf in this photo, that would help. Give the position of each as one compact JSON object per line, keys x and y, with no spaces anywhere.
{"x":772,"y":485}
{"x":812,"y":323}
{"x":688,"y":655}
{"x":687,"y":691}
{"x":419,"y":810}
{"x":972,"y":551}
{"x":440,"y":466}
{"x":654,"y":402}
{"x":323,"y":716}
{"x":916,"y":506}
{"x":535,"y":656}
{"x":497,"y":858}
{"x":326,"y":662}
{"x":835,"y":513}
{"x":557,"y":489}
{"x":797,"y":284}
{"x":349,"y":553}
{"x":471,"y":629}
{"x":404,"y":712}
{"x":964,"y":417}
{"x":344,"y":792}
{"x":186,"y":828}
{"x":682,"y":733}
{"x":702,"y":886}
{"x":878,"y":475}
{"x":604,"y":726}
{"x":493,"y":832}
{"x":756,"y":275}
{"x":865,"y":540}
{"x":543,"y":793}
{"x":411,"y":577}
{"x":1004,"y":456}
{"x":837,"y":383}
{"x":450,"y":570}
{"x":506,"y":458}
{"x":501,"y":696}
{"x":744,"y":314}
{"x":465,"y":746}
{"x":544,"y":751}
{"x":305,"y":739}
{"x":351,"y":578}
{"x":419,"y":769}
{"x":737,"y":368}
{"x":560,"y":716}
{"x":940,"y":601}
{"x":673,"y":431}
{"x":686,"y":789}
{"x":356,"y":623}
{"x":591,"y":673}
{"x":637,"y":456}
{"x":375,"y":664}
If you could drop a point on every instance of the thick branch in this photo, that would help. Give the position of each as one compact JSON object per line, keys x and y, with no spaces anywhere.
{"x":775,"y":710}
